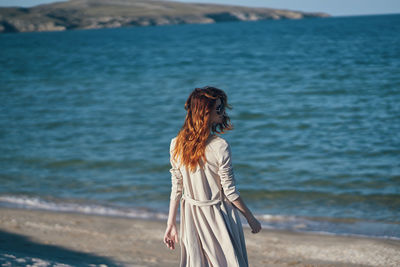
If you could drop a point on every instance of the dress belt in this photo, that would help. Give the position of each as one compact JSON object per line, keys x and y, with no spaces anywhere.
{"x":201,"y":203}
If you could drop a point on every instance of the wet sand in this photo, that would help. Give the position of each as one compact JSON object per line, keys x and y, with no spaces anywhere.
{"x":41,"y":238}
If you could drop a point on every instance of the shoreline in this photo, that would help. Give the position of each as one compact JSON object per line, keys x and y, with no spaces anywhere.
{"x":351,"y":227}
{"x":40,"y":237}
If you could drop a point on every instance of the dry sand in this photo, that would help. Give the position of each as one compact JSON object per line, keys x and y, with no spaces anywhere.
{"x":41,"y":238}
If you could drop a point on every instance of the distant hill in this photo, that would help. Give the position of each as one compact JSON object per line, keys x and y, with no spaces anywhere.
{"x":95,"y":14}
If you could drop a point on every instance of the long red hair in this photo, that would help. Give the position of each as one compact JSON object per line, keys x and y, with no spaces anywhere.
{"x":191,"y":141}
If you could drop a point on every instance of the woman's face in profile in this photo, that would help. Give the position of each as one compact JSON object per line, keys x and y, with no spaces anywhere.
{"x":217,"y":113}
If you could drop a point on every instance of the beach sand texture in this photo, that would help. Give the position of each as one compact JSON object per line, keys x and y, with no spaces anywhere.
{"x":41,"y":238}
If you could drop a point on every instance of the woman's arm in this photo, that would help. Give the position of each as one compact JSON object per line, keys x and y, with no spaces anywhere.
{"x":173,"y":210}
{"x":228,"y":185}
{"x":253,"y":222}
{"x":171,"y":233}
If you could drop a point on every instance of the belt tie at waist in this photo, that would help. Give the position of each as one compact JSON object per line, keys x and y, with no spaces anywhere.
{"x":201,"y":203}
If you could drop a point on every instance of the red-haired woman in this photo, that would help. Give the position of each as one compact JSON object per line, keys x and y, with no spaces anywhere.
{"x":203,"y":181}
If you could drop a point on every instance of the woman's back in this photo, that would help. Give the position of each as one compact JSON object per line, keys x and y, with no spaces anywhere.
{"x":205,"y":182}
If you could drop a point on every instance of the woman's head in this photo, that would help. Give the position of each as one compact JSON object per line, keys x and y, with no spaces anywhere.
{"x":205,"y":114}
{"x":206,"y":110}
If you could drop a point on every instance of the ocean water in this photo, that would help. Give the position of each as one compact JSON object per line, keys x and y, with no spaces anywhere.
{"x":87,"y":117}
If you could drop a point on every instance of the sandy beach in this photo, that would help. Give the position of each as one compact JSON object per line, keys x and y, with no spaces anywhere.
{"x":41,"y":238}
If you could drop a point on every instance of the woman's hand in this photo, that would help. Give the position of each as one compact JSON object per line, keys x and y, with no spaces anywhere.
{"x":171,"y":236}
{"x":254,"y":224}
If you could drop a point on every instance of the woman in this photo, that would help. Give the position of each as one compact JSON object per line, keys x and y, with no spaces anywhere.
{"x":202,"y":179}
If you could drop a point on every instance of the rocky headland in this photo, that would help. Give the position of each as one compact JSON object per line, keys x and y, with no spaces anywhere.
{"x":96,"y":14}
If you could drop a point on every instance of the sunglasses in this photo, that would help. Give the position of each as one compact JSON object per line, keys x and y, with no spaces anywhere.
{"x":220,"y":109}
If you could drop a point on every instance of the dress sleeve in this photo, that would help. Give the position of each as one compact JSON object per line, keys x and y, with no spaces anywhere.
{"x":226,"y":172}
{"x":176,"y":176}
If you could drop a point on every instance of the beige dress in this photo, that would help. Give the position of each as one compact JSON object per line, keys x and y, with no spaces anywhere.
{"x":211,"y":232}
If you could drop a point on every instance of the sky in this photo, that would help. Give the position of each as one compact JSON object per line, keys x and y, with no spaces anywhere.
{"x":332,"y":7}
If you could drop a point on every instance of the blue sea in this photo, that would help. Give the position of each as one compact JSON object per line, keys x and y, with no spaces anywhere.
{"x":87,"y":117}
